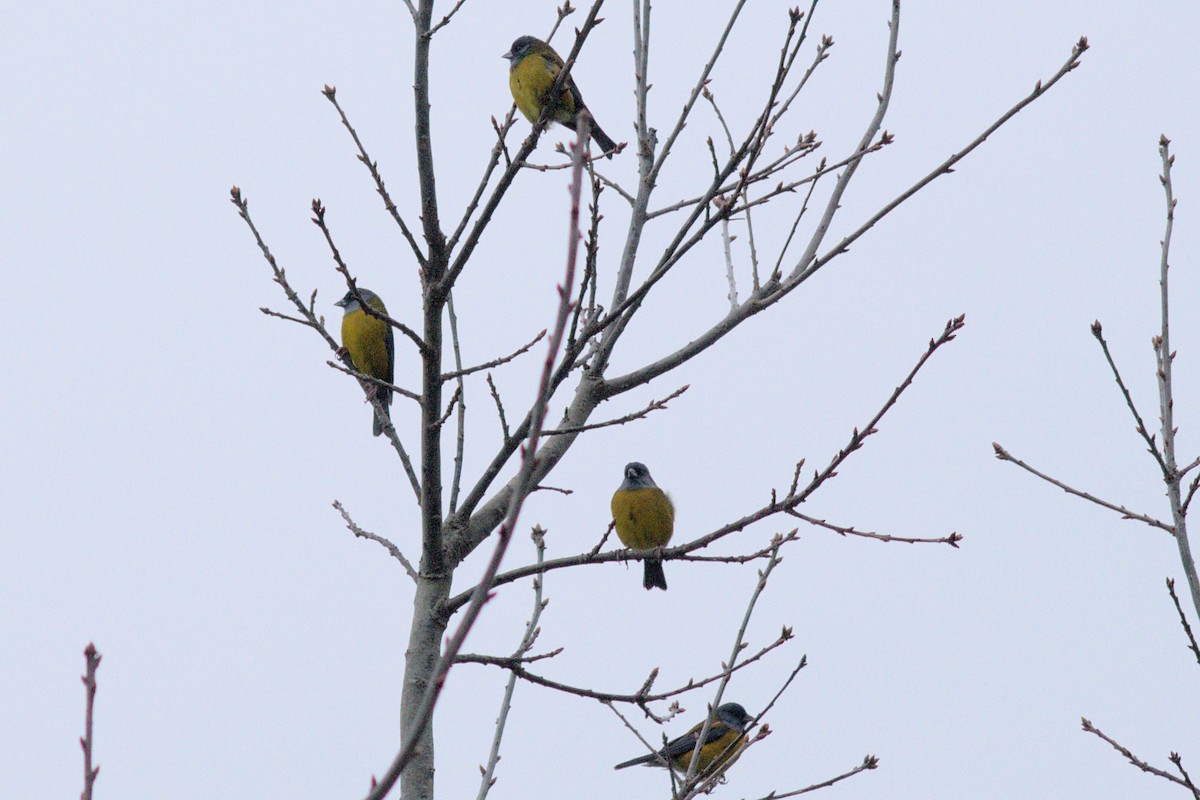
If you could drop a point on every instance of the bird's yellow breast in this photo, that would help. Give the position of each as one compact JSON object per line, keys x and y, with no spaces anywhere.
{"x":645,"y":518}
{"x":365,"y":338}
{"x":727,"y":747}
{"x":531,"y":79}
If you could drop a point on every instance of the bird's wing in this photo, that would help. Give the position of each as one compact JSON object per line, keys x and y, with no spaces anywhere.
{"x":575,"y":95}
{"x":553,"y":63}
{"x":687,"y":742}
{"x":391,"y":355}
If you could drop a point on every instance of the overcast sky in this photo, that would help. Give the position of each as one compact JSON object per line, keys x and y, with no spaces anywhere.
{"x":170,"y":454}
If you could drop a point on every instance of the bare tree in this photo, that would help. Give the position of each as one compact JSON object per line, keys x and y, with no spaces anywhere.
{"x":1161,"y":447}
{"x":763,"y":161}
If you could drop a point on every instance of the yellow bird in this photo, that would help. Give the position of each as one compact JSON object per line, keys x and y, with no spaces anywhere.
{"x":726,"y":736}
{"x":369,"y":341}
{"x":644,"y":517}
{"x":533,"y":67}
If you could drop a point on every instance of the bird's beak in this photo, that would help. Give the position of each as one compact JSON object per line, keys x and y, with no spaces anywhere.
{"x":508,"y":55}
{"x":341,"y":303}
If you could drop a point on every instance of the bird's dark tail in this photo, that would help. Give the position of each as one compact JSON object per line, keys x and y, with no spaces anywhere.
{"x":654,"y":576}
{"x":601,"y":138}
{"x":648,"y":759}
{"x":385,"y":399}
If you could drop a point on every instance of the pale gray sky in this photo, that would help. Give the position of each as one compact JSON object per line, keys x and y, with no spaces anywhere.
{"x":170,"y":454}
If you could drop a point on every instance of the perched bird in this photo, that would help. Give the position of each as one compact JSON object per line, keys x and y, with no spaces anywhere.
{"x":723,"y":742}
{"x":533,"y":66}
{"x":644,"y":517}
{"x":369,"y":341}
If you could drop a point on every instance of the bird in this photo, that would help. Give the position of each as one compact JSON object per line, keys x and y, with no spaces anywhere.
{"x":724,"y":741}
{"x":372,"y":350}
{"x":644,"y":517}
{"x":533,"y":66}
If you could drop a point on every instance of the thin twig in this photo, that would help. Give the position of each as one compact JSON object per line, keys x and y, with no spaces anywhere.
{"x":279,"y":315}
{"x":309,"y":315}
{"x":640,"y":697}
{"x":701,"y":82}
{"x":461,"y":372}
{"x":460,"y":426}
{"x":446,"y":19}
{"x":455,"y":400}
{"x":499,"y":408}
{"x":498,"y":149}
{"x":479,"y":658}
{"x":745,"y":558}
{"x":1177,"y":760}
{"x":592,"y":161}
{"x":654,"y":405}
{"x":330,"y":93}
{"x":869,"y":762}
{"x":371,"y":379}
{"x":585,"y":301}
{"x":1195,"y":463}
{"x":953,"y":539}
{"x":319,"y":211}
{"x":1187,"y":629}
{"x":1098,"y":332}
{"x":1191,"y":492}
{"x":783,"y":687}
{"x":361,"y":533}
{"x":92,"y":660}
{"x":1125,"y":513}
{"x":787,"y":187}
{"x":777,"y":272}
{"x":822,"y":53}
{"x":1137,"y":762}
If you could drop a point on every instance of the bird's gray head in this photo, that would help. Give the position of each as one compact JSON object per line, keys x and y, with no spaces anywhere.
{"x":637,"y":477}
{"x":350,"y":303}
{"x":519,"y":49}
{"x":733,"y":715}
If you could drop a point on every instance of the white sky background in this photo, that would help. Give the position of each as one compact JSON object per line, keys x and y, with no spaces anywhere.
{"x":170,"y":454}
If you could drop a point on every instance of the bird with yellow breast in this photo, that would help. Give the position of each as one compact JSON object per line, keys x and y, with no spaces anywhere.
{"x":644,"y":517}
{"x":533,"y":68}
{"x":369,"y":342}
{"x":725,"y":738}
